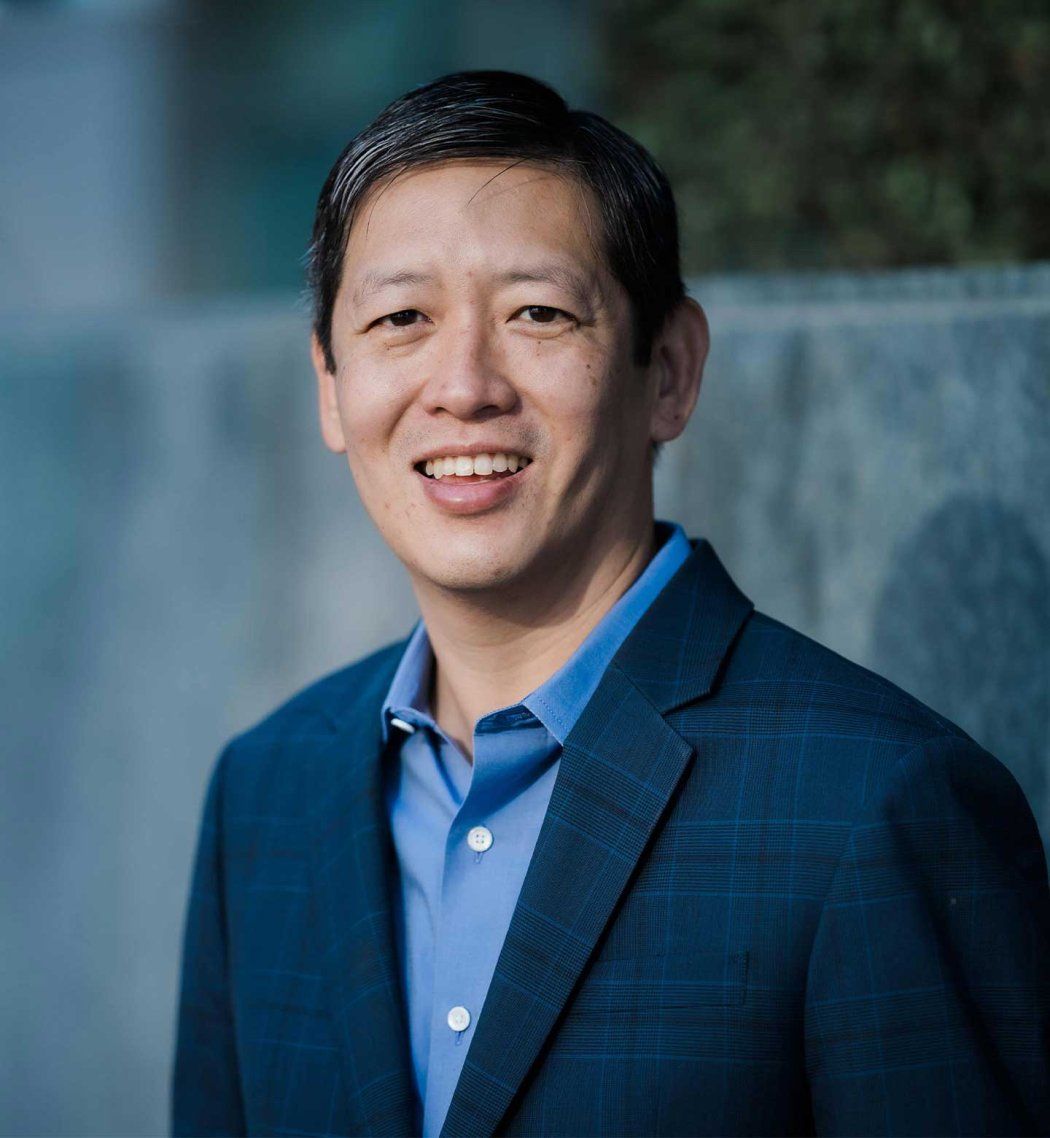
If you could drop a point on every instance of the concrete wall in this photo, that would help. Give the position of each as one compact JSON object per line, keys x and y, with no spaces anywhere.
{"x":869,"y":457}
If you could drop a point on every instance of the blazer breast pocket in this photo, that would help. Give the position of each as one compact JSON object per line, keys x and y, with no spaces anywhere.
{"x":672,"y":1005}
{"x":715,"y":978}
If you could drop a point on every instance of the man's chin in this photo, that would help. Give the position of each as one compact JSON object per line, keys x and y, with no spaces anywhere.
{"x":466,"y":575}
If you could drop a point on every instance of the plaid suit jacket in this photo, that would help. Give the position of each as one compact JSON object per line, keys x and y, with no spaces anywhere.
{"x":772,"y":894}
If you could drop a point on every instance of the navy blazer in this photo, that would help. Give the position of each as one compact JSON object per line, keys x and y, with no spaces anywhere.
{"x":772,"y":894}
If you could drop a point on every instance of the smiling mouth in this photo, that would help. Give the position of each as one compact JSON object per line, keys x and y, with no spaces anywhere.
{"x":473,"y":468}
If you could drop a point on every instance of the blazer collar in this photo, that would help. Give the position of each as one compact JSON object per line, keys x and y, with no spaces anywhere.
{"x":675,"y":653}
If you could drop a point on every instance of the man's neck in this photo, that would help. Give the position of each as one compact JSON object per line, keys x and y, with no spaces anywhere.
{"x":490,"y":654}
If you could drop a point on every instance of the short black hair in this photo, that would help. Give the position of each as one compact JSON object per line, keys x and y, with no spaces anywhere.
{"x":497,"y":115}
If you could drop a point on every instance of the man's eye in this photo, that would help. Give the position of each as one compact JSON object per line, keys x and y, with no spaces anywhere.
{"x":402,"y":319}
{"x":543,"y":314}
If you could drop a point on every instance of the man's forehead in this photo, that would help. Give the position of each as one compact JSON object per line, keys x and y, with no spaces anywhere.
{"x":475,"y":191}
{"x":406,"y":230}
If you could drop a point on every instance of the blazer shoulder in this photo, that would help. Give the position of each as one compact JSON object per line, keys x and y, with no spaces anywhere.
{"x":794,"y":672}
{"x":319,"y":709}
{"x":848,"y":739}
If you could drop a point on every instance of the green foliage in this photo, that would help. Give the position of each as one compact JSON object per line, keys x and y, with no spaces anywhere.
{"x":853,"y":133}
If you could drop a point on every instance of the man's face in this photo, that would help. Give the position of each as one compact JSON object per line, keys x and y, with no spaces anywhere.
{"x":476,"y":318}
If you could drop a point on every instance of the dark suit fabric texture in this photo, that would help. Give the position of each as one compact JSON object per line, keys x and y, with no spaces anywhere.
{"x":772,"y":894}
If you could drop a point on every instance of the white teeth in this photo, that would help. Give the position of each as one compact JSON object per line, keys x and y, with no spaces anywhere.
{"x":464,"y":465}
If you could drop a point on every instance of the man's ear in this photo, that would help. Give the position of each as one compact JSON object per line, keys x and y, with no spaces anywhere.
{"x":679,"y":353}
{"x":327,"y":403}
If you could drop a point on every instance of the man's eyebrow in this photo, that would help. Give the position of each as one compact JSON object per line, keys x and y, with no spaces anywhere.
{"x":579,"y":284}
{"x":375,"y":281}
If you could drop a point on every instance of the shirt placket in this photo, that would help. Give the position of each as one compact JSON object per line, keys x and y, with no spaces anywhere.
{"x":458,"y":991}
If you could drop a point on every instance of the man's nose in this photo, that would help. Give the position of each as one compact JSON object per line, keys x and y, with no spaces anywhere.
{"x":467,"y":376}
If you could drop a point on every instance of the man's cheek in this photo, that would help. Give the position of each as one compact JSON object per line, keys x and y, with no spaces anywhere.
{"x":367,"y":423}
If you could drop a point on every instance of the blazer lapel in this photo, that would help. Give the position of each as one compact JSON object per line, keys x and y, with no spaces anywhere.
{"x":353,"y":863}
{"x":619,"y":767}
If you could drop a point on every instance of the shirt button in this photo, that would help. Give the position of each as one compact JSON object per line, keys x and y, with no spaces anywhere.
{"x":479,"y":839}
{"x":459,"y":1019}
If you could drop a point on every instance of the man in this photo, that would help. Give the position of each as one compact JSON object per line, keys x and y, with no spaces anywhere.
{"x":601,"y":849}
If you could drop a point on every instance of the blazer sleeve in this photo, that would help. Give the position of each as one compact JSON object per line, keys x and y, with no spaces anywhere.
{"x":928,"y":984}
{"x":205,"y":1089}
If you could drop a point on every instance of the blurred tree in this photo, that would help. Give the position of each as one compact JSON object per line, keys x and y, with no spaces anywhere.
{"x":819,"y":133}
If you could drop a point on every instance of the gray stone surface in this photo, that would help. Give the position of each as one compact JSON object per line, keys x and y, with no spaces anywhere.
{"x":869,"y":457}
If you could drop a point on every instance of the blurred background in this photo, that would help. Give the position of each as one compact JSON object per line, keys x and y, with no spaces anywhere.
{"x":865,"y":199}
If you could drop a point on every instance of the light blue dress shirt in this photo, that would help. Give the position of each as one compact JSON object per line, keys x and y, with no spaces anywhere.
{"x":464,"y":834}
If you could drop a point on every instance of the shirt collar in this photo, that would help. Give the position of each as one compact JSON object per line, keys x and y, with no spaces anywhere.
{"x":559,"y":701}
{"x":408,"y":697}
